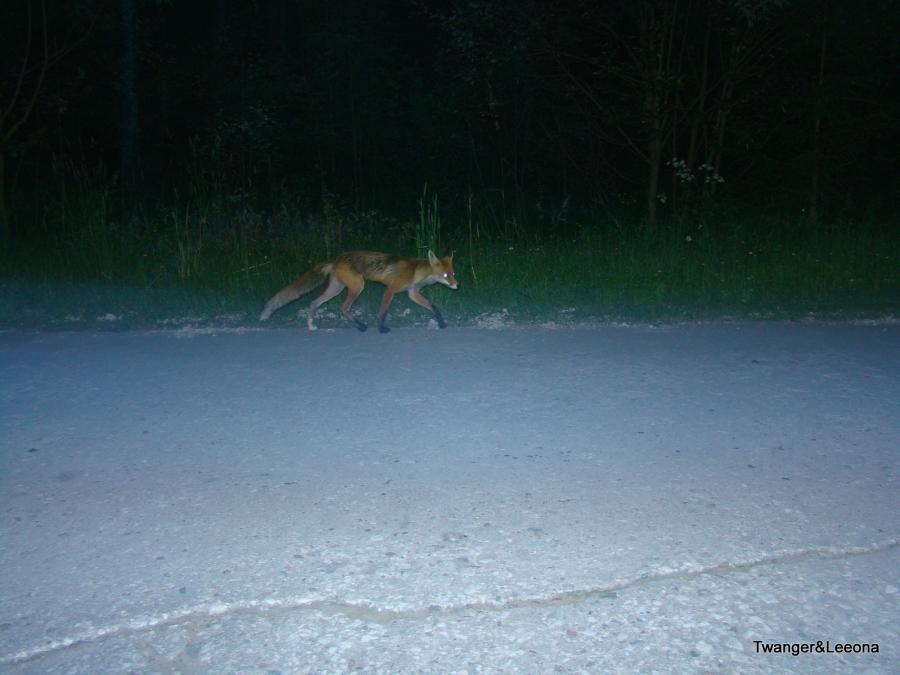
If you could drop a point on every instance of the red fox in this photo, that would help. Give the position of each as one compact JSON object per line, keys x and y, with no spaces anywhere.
{"x":350,"y":270}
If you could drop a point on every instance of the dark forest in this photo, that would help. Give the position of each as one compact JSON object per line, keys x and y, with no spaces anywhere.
{"x":631,"y":158}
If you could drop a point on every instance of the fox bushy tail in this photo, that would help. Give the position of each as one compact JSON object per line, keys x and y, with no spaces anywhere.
{"x":303,"y":285}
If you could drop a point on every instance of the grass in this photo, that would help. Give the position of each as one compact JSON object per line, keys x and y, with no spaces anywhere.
{"x":79,"y":260}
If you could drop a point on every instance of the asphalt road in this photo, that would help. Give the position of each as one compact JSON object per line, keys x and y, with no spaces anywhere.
{"x":598,"y":499}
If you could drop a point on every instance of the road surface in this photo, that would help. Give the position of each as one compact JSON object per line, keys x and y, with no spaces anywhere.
{"x":685,"y":498}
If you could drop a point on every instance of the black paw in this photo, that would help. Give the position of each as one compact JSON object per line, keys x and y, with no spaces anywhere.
{"x":384,"y":329}
{"x":438,"y":316}
{"x":360,"y":326}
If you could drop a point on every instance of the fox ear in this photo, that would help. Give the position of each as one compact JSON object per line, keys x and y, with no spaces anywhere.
{"x":432,"y":258}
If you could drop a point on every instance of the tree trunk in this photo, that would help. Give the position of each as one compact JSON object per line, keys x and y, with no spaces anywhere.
{"x":818,"y":113}
{"x":654,"y":156}
{"x":4,"y":216}
{"x":721,"y":123}
{"x":700,"y":113}
{"x":277,"y":21}
{"x":726,"y":94}
{"x":650,"y":49}
{"x":128,"y":163}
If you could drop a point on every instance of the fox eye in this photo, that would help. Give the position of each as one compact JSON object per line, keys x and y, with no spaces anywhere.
{"x":445,"y":275}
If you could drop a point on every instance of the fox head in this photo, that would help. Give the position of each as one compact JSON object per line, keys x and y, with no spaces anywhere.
{"x":442,"y":270}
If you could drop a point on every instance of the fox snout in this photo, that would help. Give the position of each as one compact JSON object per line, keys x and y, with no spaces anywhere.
{"x":448,"y":278}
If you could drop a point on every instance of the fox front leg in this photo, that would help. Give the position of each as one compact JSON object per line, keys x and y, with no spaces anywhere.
{"x":421,"y":300}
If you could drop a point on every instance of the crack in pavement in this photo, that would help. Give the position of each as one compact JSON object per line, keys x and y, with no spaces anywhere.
{"x":372,"y":613}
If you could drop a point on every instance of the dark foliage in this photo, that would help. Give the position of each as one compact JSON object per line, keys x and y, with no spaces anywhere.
{"x":791,"y":103}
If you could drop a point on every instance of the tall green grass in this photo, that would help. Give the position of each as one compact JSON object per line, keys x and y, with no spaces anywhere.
{"x":82,"y":254}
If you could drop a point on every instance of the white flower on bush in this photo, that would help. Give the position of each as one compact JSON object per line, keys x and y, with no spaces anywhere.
{"x":685,"y":175}
{"x":712,"y":176}
{"x":681,"y":169}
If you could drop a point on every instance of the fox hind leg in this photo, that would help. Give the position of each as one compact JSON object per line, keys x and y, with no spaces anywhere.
{"x":382,"y":311}
{"x":334,"y":287}
{"x":353,"y":291}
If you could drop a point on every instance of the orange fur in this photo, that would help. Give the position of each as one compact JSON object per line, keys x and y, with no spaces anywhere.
{"x":352,"y":269}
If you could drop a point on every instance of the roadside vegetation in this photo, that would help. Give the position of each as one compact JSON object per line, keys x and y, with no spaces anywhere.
{"x":80,"y":256}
